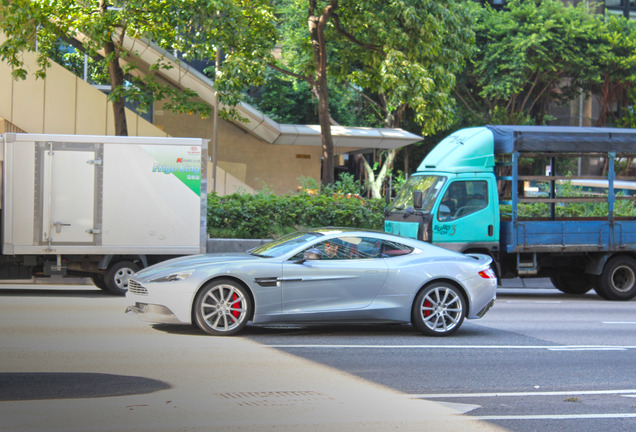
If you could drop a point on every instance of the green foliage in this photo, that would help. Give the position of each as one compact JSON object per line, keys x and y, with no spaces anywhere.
{"x":265,"y":215}
{"x":194,"y":28}
{"x":622,"y":207}
{"x":530,"y":54}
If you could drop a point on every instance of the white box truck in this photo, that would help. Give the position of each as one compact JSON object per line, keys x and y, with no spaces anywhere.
{"x":99,"y":206}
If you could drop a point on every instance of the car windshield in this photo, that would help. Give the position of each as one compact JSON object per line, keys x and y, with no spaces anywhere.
{"x":284,"y":244}
{"x":430,"y":187}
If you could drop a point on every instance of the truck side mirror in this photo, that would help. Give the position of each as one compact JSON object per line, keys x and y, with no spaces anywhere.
{"x":418,"y":199}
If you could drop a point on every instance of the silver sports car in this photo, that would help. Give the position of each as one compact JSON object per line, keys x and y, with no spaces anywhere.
{"x":322,"y":275}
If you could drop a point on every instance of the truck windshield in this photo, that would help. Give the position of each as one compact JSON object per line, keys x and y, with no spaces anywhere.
{"x":430,"y":187}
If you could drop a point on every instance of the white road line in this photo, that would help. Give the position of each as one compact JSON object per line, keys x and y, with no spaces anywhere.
{"x":450,"y":347}
{"x":620,"y":322}
{"x":521,"y":394}
{"x":587,"y":349}
{"x":556,"y":416}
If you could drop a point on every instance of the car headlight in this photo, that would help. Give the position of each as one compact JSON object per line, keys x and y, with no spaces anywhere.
{"x":173,"y":277}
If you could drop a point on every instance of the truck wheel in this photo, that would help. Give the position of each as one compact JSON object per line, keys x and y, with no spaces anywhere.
{"x":572,"y":283}
{"x":117,"y":275}
{"x":618,"y":280}
{"x":98,"y":281}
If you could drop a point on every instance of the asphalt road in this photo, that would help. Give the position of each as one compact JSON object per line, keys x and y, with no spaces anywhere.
{"x":70,"y":360}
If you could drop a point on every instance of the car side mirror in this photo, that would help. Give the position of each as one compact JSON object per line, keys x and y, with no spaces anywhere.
{"x":312,"y":254}
{"x":418,"y":199}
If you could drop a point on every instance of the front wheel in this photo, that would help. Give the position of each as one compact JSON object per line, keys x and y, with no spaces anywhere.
{"x":618,"y":280}
{"x":117,"y":275}
{"x":222,"y":308}
{"x":439,"y":310}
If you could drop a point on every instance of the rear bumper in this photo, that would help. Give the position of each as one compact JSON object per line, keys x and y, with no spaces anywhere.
{"x":482,"y":312}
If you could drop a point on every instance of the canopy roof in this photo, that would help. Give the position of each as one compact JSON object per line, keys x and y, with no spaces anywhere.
{"x":258,"y":124}
{"x":563,"y":139}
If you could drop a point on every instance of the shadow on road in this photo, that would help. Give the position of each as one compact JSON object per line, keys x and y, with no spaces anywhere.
{"x":85,"y":292}
{"x":55,"y":385}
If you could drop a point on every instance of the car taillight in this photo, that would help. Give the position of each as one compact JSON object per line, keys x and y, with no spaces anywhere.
{"x":488,"y":274}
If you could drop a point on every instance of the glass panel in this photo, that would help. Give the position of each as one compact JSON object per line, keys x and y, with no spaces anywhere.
{"x":463,"y":198}
{"x":428,"y":185}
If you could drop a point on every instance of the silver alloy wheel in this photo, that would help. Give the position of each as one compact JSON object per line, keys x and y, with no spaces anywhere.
{"x":222,"y":309}
{"x":439,"y":310}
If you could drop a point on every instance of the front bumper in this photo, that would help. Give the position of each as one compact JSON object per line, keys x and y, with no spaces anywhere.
{"x":154,"y":313}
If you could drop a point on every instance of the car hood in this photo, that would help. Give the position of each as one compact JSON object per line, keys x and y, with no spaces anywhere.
{"x":193,"y":262}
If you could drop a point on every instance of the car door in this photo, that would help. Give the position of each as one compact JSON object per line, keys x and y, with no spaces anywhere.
{"x":349,"y":281}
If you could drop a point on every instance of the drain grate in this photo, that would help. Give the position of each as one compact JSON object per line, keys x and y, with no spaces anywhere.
{"x":274,"y":398}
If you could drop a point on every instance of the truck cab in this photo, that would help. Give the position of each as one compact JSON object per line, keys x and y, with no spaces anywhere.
{"x":452,"y":199}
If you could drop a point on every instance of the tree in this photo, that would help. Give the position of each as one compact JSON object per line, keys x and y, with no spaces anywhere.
{"x":194,"y":28}
{"x":399,"y":54}
{"x":409,"y":63}
{"x":527,"y":55}
{"x":618,"y":72}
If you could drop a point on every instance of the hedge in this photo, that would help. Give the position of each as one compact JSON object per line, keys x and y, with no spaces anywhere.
{"x":266,"y":215}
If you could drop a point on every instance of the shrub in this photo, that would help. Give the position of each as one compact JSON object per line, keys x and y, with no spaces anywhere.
{"x":265,"y":215}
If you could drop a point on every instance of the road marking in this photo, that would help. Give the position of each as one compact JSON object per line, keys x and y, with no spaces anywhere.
{"x":532,"y":301}
{"x":483,"y":347}
{"x":620,"y":322}
{"x":556,"y":416}
{"x":522,"y":394}
{"x":588,"y":349}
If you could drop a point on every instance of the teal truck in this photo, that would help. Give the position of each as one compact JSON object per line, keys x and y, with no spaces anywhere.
{"x":543,"y":201}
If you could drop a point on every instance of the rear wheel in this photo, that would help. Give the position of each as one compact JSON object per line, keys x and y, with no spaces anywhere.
{"x":571,"y":283}
{"x":618,"y":280}
{"x":439,"y":309}
{"x":99,"y":282}
{"x":117,"y":275}
{"x":222,"y":308}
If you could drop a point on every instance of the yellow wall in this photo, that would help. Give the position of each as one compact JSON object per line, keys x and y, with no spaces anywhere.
{"x":61,"y":103}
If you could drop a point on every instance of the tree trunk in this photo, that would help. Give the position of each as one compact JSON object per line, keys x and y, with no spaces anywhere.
{"x":116,"y":80}
{"x":374,"y":181}
{"x":317,"y":25}
{"x":116,"y":77}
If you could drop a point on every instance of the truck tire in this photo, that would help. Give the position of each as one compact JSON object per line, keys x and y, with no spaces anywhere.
{"x":618,"y":280}
{"x":99,"y":282}
{"x":571,"y":283}
{"x":117,"y":275}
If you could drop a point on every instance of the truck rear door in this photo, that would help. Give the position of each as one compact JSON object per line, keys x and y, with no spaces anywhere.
{"x":67,"y":190}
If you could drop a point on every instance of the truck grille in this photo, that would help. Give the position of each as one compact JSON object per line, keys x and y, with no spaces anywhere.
{"x":136,"y":288}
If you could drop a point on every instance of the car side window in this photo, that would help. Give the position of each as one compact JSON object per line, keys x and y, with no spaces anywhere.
{"x":392,"y":249}
{"x":348,"y":248}
{"x":463,"y":198}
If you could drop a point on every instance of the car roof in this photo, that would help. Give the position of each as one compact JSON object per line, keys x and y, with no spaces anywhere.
{"x":331,"y":232}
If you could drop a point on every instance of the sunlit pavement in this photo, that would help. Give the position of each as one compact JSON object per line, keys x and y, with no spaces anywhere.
{"x":111,"y":372}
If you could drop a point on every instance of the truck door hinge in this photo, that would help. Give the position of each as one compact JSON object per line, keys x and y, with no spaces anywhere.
{"x":94,"y":231}
{"x":58,"y":226}
{"x":95,"y":162}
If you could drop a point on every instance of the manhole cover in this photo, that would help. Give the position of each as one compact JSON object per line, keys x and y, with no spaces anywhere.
{"x":274,"y":398}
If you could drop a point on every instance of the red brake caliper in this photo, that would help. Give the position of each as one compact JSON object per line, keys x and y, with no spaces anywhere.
{"x":427,"y":313}
{"x":235,"y":313}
